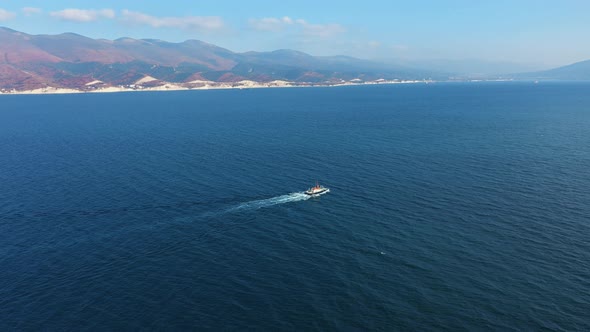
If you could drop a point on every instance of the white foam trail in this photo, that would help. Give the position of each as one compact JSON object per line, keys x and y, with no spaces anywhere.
{"x":262,"y":203}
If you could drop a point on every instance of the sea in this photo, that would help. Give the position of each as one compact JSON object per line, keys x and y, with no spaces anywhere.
{"x":452,"y":206}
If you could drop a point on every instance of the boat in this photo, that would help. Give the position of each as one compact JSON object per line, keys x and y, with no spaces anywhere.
{"x":317,"y":190}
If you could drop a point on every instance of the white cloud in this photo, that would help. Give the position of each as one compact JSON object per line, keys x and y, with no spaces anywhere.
{"x":6,"y":15}
{"x":206,"y":23}
{"x":373,"y":44}
{"x":323,"y":30}
{"x":28,"y":11}
{"x":274,"y":24}
{"x":83,"y":15}
{"x":270,"y":23}
{"x":399,"y":47}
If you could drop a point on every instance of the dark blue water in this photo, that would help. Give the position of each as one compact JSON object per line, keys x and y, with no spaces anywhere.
{"x":452,"y":206}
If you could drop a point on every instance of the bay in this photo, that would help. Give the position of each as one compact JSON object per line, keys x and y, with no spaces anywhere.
{"x":458,"y":206}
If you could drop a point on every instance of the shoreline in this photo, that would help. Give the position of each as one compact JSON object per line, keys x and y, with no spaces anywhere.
{"x":242,"y":85}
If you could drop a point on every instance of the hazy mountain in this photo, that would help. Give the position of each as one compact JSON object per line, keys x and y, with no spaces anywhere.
{"x":72,"y":61}
{"x":475,"y":68}
{"x":574,"y":72}
{"x":468,"y":68}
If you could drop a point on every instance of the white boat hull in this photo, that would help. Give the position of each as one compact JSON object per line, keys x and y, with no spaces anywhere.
{"x":317,"y":192}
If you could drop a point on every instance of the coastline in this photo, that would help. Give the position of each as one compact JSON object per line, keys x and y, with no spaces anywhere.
{"x":200,"y":85}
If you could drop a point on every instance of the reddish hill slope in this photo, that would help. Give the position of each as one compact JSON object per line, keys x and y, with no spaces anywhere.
{"x":70,"y":60}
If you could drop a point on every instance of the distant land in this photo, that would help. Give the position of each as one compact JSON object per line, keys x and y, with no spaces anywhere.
{"x":470,"y":68}
{"x":70,"y":62}
{"x":579,"y":71}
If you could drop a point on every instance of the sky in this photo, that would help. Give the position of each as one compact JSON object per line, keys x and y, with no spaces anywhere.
{"x":540,"y":32}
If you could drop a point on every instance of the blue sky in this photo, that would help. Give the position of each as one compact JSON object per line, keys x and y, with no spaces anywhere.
{"x":542,"y":32}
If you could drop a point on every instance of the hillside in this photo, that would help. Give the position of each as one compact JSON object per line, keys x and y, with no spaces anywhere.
{"x":73,"y":61}
{"x":579,"y":71}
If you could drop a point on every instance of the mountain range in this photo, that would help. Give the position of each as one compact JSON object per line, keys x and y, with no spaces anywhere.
{"x":72,"y":61}
{"x":579,"y":71}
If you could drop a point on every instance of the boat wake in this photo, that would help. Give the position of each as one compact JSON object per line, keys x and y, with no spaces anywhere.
{"x":263,"y":203}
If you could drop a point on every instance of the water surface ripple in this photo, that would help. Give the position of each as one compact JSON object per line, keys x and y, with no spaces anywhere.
{"x":452,"y":206}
